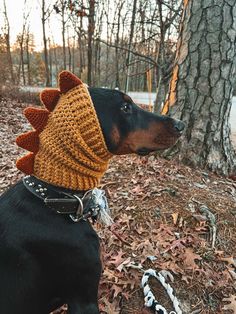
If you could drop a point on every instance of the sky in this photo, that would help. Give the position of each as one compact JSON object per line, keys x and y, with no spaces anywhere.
{"x":15,"y":15}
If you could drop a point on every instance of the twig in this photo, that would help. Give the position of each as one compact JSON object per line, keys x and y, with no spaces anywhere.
{"x":119,"y":237}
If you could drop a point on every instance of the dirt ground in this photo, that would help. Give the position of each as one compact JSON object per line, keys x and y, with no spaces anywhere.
{"x":166,"y":216}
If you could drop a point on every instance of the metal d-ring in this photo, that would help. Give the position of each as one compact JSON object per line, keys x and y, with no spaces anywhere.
{"x":80,"y":209}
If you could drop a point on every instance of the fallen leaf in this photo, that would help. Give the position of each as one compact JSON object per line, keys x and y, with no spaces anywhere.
{"x":232,"y":304}
{"x":230,"y":260}
{"x":189,"y":258}
{"x":175,"y":217}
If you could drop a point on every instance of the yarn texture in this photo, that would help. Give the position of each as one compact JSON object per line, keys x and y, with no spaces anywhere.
{"x":71,"y":151}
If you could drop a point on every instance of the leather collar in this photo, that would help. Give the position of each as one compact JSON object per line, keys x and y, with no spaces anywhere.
{"x":77,"y":204}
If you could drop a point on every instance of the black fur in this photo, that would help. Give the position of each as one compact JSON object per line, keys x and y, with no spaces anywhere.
{"x":47,"y":260}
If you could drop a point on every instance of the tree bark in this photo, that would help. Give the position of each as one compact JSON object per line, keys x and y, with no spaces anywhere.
{"x":201,"y":87}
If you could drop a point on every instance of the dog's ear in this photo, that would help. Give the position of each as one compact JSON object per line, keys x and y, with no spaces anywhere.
{"x":67,"y":81}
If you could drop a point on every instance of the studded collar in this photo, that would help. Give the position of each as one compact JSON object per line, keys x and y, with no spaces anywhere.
{"x":78,"y":205}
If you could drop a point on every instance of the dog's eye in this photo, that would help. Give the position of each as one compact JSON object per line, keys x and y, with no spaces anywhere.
{"x":126,"y":108}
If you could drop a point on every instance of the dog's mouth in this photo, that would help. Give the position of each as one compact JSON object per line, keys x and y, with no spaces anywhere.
{"x":144,"y":151}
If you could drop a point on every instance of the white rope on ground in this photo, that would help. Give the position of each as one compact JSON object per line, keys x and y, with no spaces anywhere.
{"x":149,"y":298}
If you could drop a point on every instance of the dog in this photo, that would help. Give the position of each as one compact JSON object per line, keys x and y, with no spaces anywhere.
{"x":48,"y":259}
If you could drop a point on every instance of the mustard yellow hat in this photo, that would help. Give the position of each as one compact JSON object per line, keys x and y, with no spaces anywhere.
{"x":67,"y":145}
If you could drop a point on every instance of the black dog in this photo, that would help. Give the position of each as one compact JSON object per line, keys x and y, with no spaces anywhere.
{"x":46,"y":259}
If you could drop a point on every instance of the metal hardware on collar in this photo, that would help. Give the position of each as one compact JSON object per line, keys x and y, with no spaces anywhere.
{"x":79,"y":213}
{"x":77,"y":205}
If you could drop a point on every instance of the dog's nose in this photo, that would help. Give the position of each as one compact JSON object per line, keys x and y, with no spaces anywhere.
{"x":179,"y":125}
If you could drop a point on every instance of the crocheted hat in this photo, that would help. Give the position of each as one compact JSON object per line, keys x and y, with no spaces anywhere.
{"x":67,"y":145}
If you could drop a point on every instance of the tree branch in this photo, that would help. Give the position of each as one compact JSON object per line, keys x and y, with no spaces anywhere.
{"x":152,"y":61}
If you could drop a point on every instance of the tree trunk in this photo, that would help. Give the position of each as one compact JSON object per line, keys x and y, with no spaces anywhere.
{"x":161,"y":90}
{"x":43,"y":18}
{"x":28,"y":57}
{"x":161,"y":94}
{"x":130,"y":43}
{"x":50,"y":60}
{"x":201,"y":87}
{"x":22,"y":58}
{"x":69,"y":51}
{"x":73,"y":55}
{"x":63,"y":28}
{"x":117,"y":61}
{"x":91,"y":27}
{"x":8,"y":44}
{"x":80,"y":47}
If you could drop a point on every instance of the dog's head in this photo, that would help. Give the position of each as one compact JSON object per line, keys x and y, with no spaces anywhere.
{"x":76,"y":135}
{"x":129,"y":129}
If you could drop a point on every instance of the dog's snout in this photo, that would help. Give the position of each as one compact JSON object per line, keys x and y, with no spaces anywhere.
{"x":179,"y":125}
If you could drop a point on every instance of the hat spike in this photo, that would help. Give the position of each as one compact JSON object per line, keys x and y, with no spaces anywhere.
{"x":26,"y":163}
{"x":67,"y":81}
{"x":38,"y":118}
{"x":50,"y":97}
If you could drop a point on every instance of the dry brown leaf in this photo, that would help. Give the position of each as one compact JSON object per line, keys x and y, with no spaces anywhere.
{"x":189,"y":258}
{"x":232,"y":304}
{"x":117,"y":259}
{"x":175,"y":217}
{"x":230,"y":260}
{"x":110,"y":308}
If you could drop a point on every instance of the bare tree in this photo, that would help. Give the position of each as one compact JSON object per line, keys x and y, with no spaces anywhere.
{"x":7,"y":39}
{"x":77,"y":14}
{"x":27,"y":47}
{"x":45,"y":13}
{"x":91,"y":28}
{"x":22,"y":38}
{"x":60,"y":8}
{"x":163,"y":51}
{"x":132,"y":25}
{"x":119,"y":7}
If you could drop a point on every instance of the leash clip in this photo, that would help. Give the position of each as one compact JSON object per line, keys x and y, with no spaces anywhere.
{"x":79,"y":213}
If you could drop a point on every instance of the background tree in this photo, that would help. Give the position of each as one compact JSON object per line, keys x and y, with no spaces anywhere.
{"x":201,"y":87}
{"x":45,"y":13}
{"x":6,"y":31}
{"x":22,"y":40}
{"x":105,"y":42}
{"x":60,"y":8}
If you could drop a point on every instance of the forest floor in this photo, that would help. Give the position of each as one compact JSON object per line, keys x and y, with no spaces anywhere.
{"x":165,"y":217}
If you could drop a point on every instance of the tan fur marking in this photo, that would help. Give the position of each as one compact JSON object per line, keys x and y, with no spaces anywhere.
{"x":157,"y":136}
{"x":115,"y":135}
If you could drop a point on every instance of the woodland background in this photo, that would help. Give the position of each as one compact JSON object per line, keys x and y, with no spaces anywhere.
{"x":182,"y":215}
{"x":115,"y":44}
